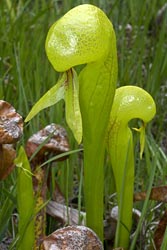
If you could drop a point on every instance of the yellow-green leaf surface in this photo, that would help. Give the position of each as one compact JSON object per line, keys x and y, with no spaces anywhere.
{"x":52,"y":96}
{"x":85,"y":35}
{"x":142,"y":138}
{"x":129,"y":102}
{"x":73,"y":114}
{"x":25,"y":202}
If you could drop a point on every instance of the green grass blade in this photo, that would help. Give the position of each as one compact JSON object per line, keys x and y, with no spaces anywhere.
{"x":61,"y":156}
{"x":146,"y":203}
{"x":164,"y":242}
{"x":5,"y":213}
{"x":25,"y":202}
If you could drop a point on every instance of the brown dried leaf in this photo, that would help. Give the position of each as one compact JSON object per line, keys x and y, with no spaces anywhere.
{"x":72,"y":237}
{"x":57,"y":195}
{"x":7,"y":156}
{"x":157,"y":194}
{"x":57,"y":143}
{"x":51,"y":140}
{"x":159,"y":233}
{"x":40,"y":189}
{"x":59,"y":211}
{"x":11,"y":124}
